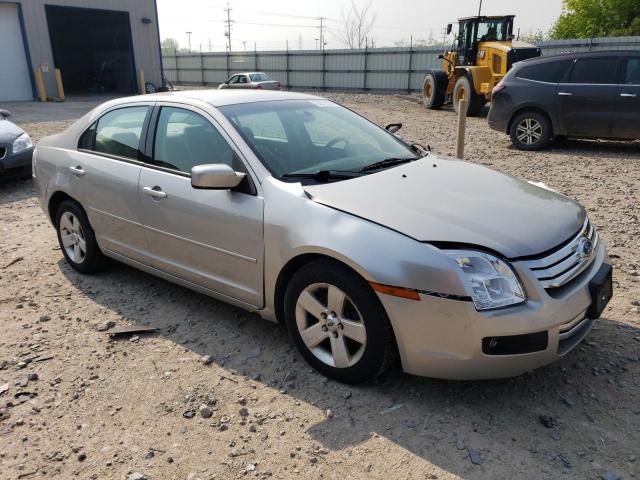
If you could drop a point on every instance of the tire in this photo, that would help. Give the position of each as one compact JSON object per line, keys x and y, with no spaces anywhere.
{"x":150,"y":87}
{"x":433,"y":95}
{"x":73,"y":229}
{"x":464,"y":89}
{"x":530,"y":130}
{"x":355,"y":345}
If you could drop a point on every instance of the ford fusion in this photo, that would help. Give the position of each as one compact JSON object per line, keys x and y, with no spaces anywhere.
{"x":367,"y":248}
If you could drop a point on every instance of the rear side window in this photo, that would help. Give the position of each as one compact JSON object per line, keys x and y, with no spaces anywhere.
{"x":632,"y":75}
{"x":595,"y":71}
{"x":118,"y":132}
{"x":550,"y":72}
{"x":87,"y":139}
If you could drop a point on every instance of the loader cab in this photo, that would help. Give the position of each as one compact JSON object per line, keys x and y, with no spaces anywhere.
{"x":473,"y":30}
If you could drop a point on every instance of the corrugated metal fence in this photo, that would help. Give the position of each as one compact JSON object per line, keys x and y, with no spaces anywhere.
{"x":374,"y":69}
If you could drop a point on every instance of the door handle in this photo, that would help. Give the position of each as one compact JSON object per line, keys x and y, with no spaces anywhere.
{"x":155,"y":192}
{"x":631,"y":95}
{"x":565,"y":94}
{"x":77,"y":170}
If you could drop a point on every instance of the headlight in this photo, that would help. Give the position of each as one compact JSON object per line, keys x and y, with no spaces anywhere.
{"x":22,"y":143}
{"x":490,"y":281}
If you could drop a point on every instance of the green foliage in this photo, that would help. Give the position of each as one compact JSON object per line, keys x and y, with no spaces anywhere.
{"x":598,"y":18}
{"x":169,"y":46}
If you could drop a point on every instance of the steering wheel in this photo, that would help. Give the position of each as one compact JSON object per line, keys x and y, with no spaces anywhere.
{"x":335,"y":140}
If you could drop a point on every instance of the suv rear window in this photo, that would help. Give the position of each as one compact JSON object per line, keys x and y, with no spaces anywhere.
{"x":594,"y":71}
{"x":551,"y":72}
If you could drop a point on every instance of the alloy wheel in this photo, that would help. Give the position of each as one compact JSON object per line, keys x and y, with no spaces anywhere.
{"x":330,"y":325}
{"x":72,"y":236}
{"x":529,"y":131}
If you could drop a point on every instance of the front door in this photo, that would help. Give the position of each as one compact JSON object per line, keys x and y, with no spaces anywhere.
{"x":585,"y":99}
{"x":211,"y":238}
{"x":626,"y":123}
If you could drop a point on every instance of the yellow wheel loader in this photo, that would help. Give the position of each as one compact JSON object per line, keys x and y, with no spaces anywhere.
{"x":482,"y":54}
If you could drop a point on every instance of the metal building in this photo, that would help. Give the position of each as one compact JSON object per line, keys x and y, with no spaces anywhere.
{"x":99,"y":46}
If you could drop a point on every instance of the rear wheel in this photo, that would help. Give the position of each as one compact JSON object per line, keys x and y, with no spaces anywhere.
{"x":432,"y":94}
{"x":77,"y":239}
{"x":338,"y":323}
{"x":463,"y":89}
{"x":530,"y":131}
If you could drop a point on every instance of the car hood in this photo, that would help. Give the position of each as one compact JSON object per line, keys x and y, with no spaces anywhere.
{"x":458,"y":203}
{"x":9,"y":131}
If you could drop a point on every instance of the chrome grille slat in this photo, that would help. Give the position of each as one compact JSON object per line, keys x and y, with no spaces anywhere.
{"x":568,"y":249}
{"x":565,"y":263}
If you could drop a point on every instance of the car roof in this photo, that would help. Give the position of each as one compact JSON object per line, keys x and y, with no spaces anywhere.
{"x":574,"y":55}
{"x":249,"y":73}
{"x":219,"y":98}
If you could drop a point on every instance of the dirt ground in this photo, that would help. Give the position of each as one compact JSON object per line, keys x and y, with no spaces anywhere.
{"x":75,"y":404}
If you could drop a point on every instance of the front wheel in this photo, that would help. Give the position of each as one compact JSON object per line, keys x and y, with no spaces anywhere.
{"x":338,"y":323}
{"x":463,"y":89}
{"x":530,"y":131}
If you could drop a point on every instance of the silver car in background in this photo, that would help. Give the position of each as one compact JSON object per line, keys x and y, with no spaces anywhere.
{"x":16,"y":147}
{"x":366,"y":247}
{"x":256,"y":80}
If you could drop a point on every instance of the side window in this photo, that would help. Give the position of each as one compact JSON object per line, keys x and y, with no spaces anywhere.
{"x":242,"y":79}
{"x":233,"y":79}
{"x":632,"y":75}
{"x":118,"y":132}
{"x":594,"y":71}
{"x":185,"y":139}
{"x":88,"y":138}
{"x":550,"y":72}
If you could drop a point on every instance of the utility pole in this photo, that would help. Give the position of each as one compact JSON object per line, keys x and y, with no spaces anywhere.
{"x":189,"y":36}
{"x":321,"y":32}
{"x":228,"y":32}
{"x":244,"y":45}
{"x":480,"y":8}
{"x":316,"y":39}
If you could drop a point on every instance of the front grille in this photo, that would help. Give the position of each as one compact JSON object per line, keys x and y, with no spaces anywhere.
{"x":568,"y":261}
{"x":3,"y":152}
{"x":572,"y":333}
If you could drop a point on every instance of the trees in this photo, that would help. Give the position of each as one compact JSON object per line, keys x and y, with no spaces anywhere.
{"x":598,"y":18}
{"x":169,"y":46}
{"x":357,"y":25}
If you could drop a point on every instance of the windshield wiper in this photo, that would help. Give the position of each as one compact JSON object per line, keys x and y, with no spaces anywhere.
{"x":387,"y":162}
{"x":325,"y":175}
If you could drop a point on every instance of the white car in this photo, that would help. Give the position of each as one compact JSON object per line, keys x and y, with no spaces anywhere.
{"x":294,"y":207}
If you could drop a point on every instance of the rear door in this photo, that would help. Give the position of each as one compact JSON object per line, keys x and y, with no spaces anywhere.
{"x":104,"y":176}
{"x":585,"y":99}
{"x":211,"y":238}
{"x":626,"y":123}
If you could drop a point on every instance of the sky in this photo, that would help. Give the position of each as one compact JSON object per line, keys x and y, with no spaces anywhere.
{"x":270,"y":24}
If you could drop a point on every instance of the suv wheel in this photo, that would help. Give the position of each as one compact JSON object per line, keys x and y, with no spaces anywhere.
{"x":77,"y":239}
{"x":338,"y":323}
{"x":530,"y":131}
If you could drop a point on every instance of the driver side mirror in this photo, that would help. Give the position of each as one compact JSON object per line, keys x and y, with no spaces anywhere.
{"x":215,"y":176}
{"x":393,"y":127}
{"x":4,"y":113}
{"x":449,"y":28}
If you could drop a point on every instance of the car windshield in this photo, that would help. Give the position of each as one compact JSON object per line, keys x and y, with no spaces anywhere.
{"x":259,"y":77}
{"x":304,"y":137}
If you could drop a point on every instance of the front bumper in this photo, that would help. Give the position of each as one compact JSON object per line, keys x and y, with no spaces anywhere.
{"x":16,"y":160}
{"x":443,"y":338}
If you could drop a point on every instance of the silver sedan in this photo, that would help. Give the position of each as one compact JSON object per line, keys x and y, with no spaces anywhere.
{"x":256,"y":80}
{"x":367,"y":247}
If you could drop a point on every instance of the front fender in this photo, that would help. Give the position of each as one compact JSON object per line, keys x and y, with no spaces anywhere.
{"x":296,"y":225}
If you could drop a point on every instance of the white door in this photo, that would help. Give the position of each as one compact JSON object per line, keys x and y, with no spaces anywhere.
{"x":15,"y":81}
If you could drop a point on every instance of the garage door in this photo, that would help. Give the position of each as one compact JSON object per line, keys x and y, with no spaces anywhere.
{"x":15,"y":81}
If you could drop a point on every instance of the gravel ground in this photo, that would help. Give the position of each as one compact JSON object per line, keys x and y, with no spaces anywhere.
{"x":76,"y":404}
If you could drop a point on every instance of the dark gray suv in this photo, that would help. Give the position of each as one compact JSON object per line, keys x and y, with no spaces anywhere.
{"x":585,"y":95}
